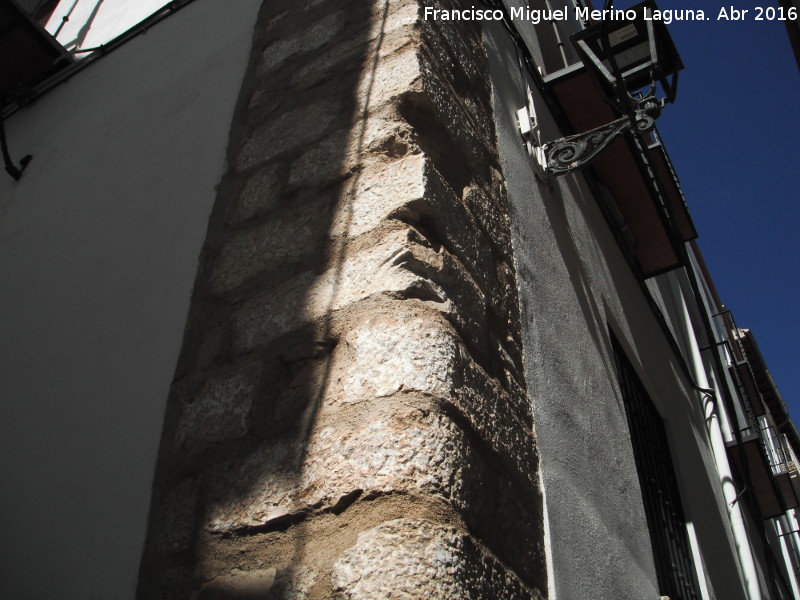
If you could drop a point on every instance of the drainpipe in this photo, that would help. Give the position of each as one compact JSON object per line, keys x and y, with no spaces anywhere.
{"x":785,"y":534}
{"x":744,"y":551}
{"x":559,"y":41}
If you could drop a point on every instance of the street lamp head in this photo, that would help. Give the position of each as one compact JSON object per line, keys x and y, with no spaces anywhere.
{"x":632,"y":60}
{"x":629,"y":51}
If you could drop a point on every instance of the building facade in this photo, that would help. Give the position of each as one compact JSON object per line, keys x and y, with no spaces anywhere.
{"x":294,"y":310}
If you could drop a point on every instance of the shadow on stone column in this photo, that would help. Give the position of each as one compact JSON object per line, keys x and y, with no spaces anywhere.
{"x":350,"y":388}
{"x":255,"y":356}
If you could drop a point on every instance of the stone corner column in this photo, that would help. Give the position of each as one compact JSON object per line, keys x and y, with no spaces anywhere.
{"x":349,"y":417}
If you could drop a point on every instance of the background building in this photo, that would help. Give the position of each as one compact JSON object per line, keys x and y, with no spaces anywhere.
{"x":292,"y":310}
{"x":793,"y":26}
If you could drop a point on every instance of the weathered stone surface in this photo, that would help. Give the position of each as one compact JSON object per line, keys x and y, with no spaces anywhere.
{"x":376,"y":138}
{"x":505,"y":305}
{"x":178,"y":518}
{"x":288,"y":238}
{"x":311,"y":38}
{"x":388,"y":355}
{"x":377,"y":192}
{"x":409,"y":558}
{"x":393,"y":16}
{"x":409,"y":187}
{"x":386,"y":79}
{"x":258,"y":196}
{"x":370,"y":198}
{"x":491,"y":214}
{"x":408,"y":451}
{"x":458,"y":50}
{"x":334,"y":61}
{"x":384,"y":135}
{"x":459,"y":231}
{"x":260,"y":584}
{"x":221,"y":410}
{"x":291,"y":130}
{"x":328,"y":160}
{"x":467,"y":131}
{"x":381,"y":268}
{"x":237,"y":585}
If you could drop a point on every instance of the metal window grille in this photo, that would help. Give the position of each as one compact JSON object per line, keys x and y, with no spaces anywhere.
{"x":662,"y":503}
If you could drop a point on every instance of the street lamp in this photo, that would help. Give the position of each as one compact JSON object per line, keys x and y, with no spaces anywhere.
{"x":628,"y":54}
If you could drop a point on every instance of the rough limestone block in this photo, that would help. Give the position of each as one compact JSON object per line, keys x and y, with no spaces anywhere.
{"x":394,"y":15}
{"x":328,"y":160}
{"x":289,"y":130}
{"x":288,"y":238}
{"x":407,"y":188}
{"x":459,"y":231}
{"x":385,"y":355}
{"x":382,"y":268}
{"x":410,"y":558}
{"x":384,"y":135}
{"x":490,"y":210}
{"x":388,"y":78}
{"x":346,"y":55}
{"x":409,"y":451}
{"x":178,"y":518}
{"x":260,"y":584}
{"x":392,"y":354}
{"x":459,"y":62}
{"x":378,"y":191}
{"x":258,"y":195}
{"x":458,"y":50}
{"x":238,"y":584}
{"x":221,"y":410}
{"x":370,"y":197}
{"x":411,"y":188}
{"x":466,"y":129}
{"x":311,"y":38}
{"x":362,"y":43}
{"x":505,"y":304}
{"x":380,"y":135}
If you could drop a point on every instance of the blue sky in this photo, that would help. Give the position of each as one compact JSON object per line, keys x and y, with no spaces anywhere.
{"x":733,"y":135}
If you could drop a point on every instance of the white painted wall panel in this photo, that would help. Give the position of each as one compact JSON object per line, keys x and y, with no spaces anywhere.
{"x":90,"y":23}
{"x":99,"y":243}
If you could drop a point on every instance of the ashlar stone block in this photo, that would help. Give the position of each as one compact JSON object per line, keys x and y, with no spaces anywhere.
{"x":285,"y":239}
{"x":379,"y":269}
{"x":386,"y":79}
{"x":407,"y":451}
{"x":221,"y":410}
{"x":289,"y":131}
{"x":259,"y":195}
{"x":308,"y":39}
{"x":386,"y":355}
{"x":415,"y":558}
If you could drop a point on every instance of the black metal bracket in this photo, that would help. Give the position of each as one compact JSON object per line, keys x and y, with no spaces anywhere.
{"x":11,"y":168}
{"x":16,"y":172}
{"x":576,"y":151}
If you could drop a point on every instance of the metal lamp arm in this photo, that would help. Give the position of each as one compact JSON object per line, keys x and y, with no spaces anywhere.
{"x":575,"y":151}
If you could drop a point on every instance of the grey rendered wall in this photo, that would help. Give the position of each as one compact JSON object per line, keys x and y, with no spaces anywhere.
{"x":574,"y":284}
{"x":99,"y":244}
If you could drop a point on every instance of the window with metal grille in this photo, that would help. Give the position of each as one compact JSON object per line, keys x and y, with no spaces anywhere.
{"x":662,"y":503}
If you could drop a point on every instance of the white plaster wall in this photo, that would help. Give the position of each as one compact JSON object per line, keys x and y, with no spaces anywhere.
{"x":574,"y":284}
{"x":93,"y":22}
{"x":99,"y":245}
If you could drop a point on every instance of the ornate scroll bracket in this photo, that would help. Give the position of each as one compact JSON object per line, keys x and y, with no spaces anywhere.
{"x":562,"y":156}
